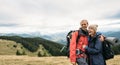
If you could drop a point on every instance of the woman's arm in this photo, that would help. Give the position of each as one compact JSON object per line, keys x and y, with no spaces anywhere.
{"x":96,"y":49}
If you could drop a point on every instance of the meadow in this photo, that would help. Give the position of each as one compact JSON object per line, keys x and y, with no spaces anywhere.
{"x":53,"y":60}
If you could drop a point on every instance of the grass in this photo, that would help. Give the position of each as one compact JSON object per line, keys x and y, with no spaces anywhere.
{"x":27,"y":60}
{"x":7,"y":48}
{"x":115,"y":61}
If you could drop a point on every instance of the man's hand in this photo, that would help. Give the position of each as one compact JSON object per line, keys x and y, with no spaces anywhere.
{"x":84,"y":46}
{"x":102,"y":38}
{"x":73,"y":63}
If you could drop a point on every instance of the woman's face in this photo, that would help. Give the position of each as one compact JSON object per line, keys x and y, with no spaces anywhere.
{"x":91,"y":31}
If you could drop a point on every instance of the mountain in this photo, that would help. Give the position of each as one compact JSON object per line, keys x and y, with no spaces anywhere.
{"x":36,"y":44}
{"x":32,"y":34}
{"x":51,"y":43}
{"x":61,"y":37}
{"x":58,"y":37}
{"x":112,"y":34}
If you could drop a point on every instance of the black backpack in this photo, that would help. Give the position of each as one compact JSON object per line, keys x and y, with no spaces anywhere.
{"x":107,"y":51}
{"x":68,"y":37}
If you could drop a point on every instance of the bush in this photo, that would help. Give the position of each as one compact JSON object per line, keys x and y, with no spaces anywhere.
{"x":18,"y":52}
{"x":14,"y":46}
{"x":116,"y":49}
{"x":23,"y":53}
{"x":39,"y":54}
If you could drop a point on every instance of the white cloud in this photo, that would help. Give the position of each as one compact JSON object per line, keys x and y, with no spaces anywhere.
{"x":57,"y":15}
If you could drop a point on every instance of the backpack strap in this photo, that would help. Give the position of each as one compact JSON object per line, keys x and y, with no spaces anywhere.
{"x":68,"y":38}
{"x":78,"y":36}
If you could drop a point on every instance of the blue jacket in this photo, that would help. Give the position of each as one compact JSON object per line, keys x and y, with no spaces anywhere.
{"x":94,"y":51}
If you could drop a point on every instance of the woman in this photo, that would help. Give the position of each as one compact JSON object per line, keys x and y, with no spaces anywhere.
{"x":94,"y":48}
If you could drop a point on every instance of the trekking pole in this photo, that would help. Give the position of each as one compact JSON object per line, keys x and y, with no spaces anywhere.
{"x":62,"y":48}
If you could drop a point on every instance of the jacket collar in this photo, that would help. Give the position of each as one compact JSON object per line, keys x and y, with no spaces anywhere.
{"x":82,"y":32}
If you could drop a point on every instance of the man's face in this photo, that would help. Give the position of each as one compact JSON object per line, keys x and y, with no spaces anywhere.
{"x":84,"y":24}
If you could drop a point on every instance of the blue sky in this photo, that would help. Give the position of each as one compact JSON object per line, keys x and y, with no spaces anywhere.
{"x":49,"y":16}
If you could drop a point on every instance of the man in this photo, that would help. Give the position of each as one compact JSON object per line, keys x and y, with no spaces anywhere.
{"x":77,"y":52}
{"x":80,"y":56}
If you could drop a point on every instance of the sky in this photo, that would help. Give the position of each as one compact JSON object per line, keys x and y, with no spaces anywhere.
{"x":52,"y":16}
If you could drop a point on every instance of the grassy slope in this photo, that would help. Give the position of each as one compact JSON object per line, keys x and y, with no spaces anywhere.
{"x":53,"y":48}
{"x":60,"y":60}
{"x":7,"y":48}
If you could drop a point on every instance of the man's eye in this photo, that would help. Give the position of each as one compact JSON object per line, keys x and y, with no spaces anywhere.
{"x":83,"y":24}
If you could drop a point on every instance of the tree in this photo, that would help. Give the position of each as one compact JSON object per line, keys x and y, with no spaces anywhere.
{"x":39,"y":54}
{"x":18,"y":52}
{"x":23,"y":53}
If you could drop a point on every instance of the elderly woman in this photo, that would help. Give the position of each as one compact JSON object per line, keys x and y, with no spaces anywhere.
{"x":94,"y":48}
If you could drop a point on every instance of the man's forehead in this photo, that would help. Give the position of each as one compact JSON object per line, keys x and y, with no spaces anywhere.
{"x":84,"y":22}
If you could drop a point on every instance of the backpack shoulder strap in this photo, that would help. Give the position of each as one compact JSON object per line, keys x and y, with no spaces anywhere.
{"x":78,"y":36}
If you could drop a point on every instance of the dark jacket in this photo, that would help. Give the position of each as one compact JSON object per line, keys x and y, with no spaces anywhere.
{"x":94,"y":51}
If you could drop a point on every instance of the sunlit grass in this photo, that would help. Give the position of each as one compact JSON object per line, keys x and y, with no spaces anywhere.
{"x":60,"y":60}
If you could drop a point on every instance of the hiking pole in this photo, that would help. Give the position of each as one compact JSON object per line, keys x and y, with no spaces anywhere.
{"x":62,"y":49}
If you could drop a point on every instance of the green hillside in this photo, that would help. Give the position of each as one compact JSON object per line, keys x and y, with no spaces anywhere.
{"x":8,"y":47}
{"x":31,"y":46}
